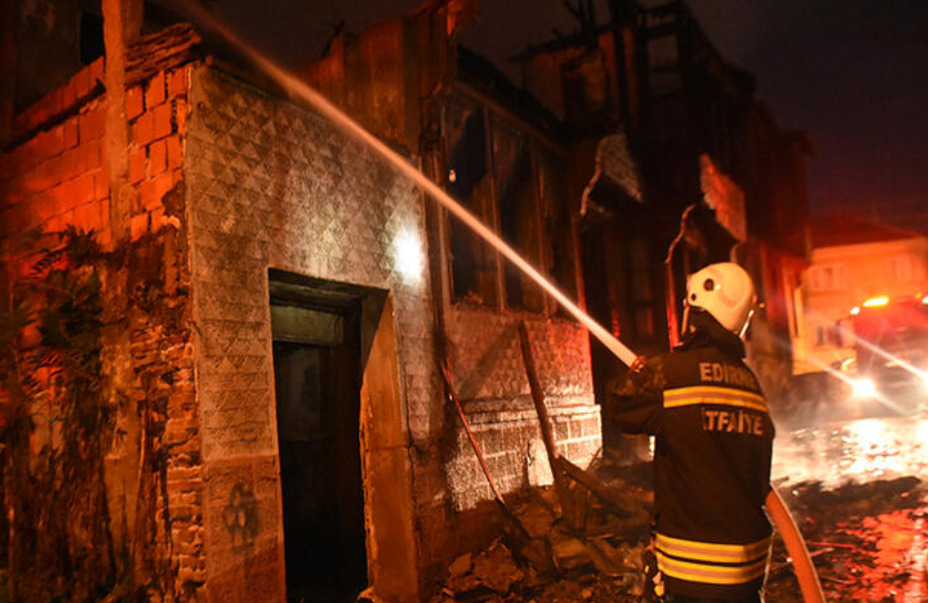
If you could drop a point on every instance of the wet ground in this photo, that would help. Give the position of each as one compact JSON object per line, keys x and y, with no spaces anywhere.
{"x":859,"y":450}
{"x":858,"y":489}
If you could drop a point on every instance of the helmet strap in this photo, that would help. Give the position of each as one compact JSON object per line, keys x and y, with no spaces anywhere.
{"x":747,"y":323}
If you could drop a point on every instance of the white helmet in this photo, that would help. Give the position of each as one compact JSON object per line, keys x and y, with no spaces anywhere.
{"x":725,"y":291}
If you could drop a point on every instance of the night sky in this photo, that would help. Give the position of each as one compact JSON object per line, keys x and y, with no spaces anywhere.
{"x":853,"y":74}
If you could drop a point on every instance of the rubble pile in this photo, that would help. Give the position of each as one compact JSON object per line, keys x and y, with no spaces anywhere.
{"x":869,"y":541}
{"x":585,"y":537}
{"x":595,"y":547}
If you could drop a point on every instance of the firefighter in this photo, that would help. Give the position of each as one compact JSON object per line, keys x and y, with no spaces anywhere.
{"x":713,"y":438}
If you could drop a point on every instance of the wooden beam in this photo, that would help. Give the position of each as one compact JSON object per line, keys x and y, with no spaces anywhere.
{"x":547,"y":436}
{"x":602,"y":491}
{"x":122,"y":24}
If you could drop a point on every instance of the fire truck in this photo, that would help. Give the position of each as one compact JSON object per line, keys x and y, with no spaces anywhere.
{"x":889,"y":374}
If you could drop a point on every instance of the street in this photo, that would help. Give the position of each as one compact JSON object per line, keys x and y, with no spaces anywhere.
{"x":860,"y":450}
{"x":855,"y":490}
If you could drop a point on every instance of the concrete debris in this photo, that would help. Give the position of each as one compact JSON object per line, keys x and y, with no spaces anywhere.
{"x":492,"y":573}
{"x":599,"y":560}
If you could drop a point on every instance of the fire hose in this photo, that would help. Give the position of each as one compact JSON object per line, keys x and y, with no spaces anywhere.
{"x":796,"y":548}
{"x":299,"y":89}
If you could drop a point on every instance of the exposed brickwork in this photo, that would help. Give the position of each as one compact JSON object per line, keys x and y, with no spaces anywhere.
{"x":157,"y":129}
{"x":57,"y":177}
{"x":84,"y":84}
{"x":487,"y":363}
{"x":163,"y":389}
{"x":491,"y":380}
{"x":506,"y":433}
{"x":54,"y":178}
{"x":152,"y":356}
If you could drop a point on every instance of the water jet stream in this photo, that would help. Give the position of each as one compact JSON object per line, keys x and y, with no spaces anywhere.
{"x":299,"y":89}
{"x":811,"y":588}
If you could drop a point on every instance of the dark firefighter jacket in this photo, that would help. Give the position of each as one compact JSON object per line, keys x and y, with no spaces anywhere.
{"x":711,"y":461}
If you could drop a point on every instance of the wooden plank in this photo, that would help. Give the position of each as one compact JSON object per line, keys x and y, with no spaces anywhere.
{"x":602,"y":491}
{"x":547,"y":435}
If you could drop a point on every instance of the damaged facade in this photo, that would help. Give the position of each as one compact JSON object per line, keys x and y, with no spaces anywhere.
{"x":277,"y":301}
{"x":688,"y":168}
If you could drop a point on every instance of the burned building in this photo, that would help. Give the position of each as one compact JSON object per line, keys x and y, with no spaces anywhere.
{"x":677,"y":166}
{"x":275,"y":316}
{"x":268,"y":304}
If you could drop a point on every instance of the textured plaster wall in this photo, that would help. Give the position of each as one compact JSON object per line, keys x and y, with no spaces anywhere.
{"x":273,"y":185}
{"x":491,"y":379}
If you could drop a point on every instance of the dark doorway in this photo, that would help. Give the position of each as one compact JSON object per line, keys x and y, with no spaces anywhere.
{"x":317,"y":371}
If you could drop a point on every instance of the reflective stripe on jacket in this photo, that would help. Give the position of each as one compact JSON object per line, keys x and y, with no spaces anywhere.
{"x":713,"y":438}
{"x":711,"y":562}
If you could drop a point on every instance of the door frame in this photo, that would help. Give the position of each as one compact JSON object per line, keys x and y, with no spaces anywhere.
{"x":386,"y":465}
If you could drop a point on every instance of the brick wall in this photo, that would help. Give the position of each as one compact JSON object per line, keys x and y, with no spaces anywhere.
{"x":157,"y":111}
{"x":491,"y":380}
{"x":150,"y":355}
{"x":489,"y":371}
{"x":57,"y":176}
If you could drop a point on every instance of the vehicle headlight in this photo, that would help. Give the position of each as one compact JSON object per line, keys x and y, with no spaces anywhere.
{"x":863,"y":388}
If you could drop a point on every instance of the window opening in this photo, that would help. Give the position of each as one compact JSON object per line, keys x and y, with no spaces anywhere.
{"x":473,"y":265}
{"x":558,"y":225}
{"x":518,"y":213}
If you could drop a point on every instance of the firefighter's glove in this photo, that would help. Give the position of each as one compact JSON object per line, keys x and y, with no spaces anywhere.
{"x":644,"y":375}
